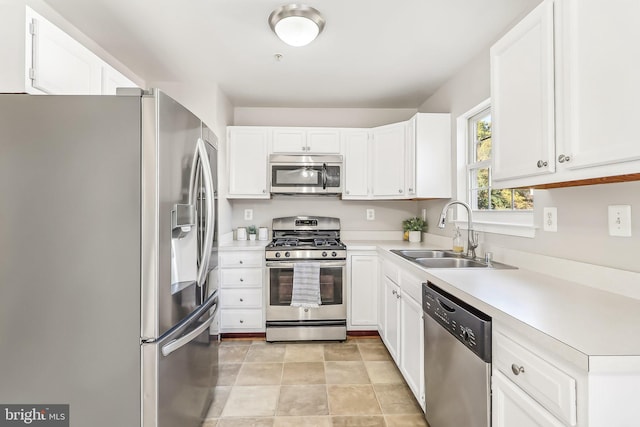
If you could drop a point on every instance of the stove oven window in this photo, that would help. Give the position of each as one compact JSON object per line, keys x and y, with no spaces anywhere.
{"x":281,"y":283}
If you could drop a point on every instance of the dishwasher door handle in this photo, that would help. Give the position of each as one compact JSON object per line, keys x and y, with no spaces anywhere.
{"x":445,"y":306}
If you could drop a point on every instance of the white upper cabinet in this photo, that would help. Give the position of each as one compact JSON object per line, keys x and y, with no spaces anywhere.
{"x":428,"y":164}
{"x":38,"y":57}
{"x":388,"y":161}
{"x":356,"y":164}
{"x":247,"y":162}
{"x":522,"y":97}
{"x":306,"y":140}
{"x":598,"y":66}
{"x":588,"y":88}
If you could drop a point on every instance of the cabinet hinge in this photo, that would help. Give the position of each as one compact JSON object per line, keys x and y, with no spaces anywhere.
{"x":32,"y":74}
{"x":32,"y":28}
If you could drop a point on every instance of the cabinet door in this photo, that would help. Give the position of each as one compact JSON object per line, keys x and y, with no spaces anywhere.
{"x":289,"y":140}
{"x":61,"y":65}
{"x":411,"y":342}
{"x":522,"y":98}
{"x":326,"y":141}
{"x":356,"y":164}
{"x":391,"y":324}
{"x":599,"y":86}
{"x":388,"y":160}
{"x":363,"y":298}
{"x":247,"y":163}
{"x":512,"y":407}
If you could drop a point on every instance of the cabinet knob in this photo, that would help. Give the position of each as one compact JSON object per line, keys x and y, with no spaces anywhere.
{"x":264,"y":191}
{"x":241,"y":279}
{"x":347,"y":192}
{"x":241,"y":300}
{"x":394,"y":292}
{"x":562,"y":158}
{"x":400,"y":191}
{"x":241,"y":321}
{"x":241,"y":262}
{"x":411,"y":190}
{"x":517,"y":370}
{"x":542,"y":163}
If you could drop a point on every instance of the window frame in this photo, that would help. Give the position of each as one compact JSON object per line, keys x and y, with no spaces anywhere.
{"x":511,"y":222}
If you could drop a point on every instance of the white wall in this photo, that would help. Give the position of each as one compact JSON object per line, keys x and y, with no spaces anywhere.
{"x":582,"y":211}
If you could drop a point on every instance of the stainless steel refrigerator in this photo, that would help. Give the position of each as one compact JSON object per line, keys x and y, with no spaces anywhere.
{"x":108,"y":258}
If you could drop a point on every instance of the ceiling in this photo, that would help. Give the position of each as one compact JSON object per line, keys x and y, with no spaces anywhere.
{"x":371,"y":54}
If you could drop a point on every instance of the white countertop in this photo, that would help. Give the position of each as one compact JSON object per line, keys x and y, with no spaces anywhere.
{"x":591,"y":322}
{"x":246,"y":245}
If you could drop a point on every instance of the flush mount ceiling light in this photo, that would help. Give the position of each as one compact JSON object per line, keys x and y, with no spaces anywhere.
{"x":296,"y":24}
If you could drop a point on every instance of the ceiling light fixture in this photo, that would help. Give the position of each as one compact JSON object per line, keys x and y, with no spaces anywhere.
{"x":296,"y":24}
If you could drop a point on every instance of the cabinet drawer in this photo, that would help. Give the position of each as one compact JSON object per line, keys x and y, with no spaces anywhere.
{"x":548,"y":385}
{"x":241,"y":277}
{"x":241,"y":319}
{"x":241,"y":259}
{"x":241,"y":298}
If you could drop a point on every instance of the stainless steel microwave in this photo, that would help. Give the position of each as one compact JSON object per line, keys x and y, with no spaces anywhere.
{"x":305,"y":174}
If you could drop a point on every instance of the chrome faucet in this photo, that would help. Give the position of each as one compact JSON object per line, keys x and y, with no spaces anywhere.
{"x":472,"y":237}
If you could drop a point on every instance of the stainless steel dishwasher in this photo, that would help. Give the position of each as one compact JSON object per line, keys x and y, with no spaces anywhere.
{"x":457,"y":361}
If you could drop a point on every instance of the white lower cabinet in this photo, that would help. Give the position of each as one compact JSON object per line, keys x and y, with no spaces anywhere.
{"x":362,"y":300}
{"x":242,"y":291}
{"x":401,"y":328}
{"x":513,"y":407}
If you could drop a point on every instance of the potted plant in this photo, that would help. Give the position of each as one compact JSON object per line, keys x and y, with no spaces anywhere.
{"x":414,"y":228}
{"x":252,"y":230}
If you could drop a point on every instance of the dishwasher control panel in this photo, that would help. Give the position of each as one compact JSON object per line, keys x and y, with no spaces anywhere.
{"x":467,"y":324}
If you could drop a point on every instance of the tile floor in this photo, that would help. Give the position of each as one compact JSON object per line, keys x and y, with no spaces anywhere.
{"x":310,"y":385}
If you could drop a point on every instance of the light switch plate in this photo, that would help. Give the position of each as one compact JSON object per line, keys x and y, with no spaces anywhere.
{"x":620,"y":220}
{"x":550,"y":219}
{"x":371,"y":214}
{"x":248,"y":214}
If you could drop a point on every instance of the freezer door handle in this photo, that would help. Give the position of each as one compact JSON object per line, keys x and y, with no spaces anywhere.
{"x":174,"y":345}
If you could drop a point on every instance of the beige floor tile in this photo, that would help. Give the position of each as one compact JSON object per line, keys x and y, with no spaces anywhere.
{"x":396,"y":399}
{"x":227,"y":373}
{"x":260,"y":374}
{"x":358,"y":421}
{"x":296,"y":400}
{"x":302,"y":421}
{"x":374,"y":350}
{"x":252,"y":401}
{"x":383,"y":373}
{"x":352,"y":400}
{"x":210,"y":423}
{"x":220,"y":396}
{"x":245,"y":422}
{"x":233,"y":341}
{"x":346,"y":373}
{"x":299,"y":352}
{"x":341,"y":352}
{"x":262,"y":352}
{"x":232,"y":353}
{"x":303,"y":373}
{"x":406,"y":420}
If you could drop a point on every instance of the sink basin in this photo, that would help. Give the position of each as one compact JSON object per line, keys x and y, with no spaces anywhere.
{"x":426,"y":253}
{"x":437,"y":258}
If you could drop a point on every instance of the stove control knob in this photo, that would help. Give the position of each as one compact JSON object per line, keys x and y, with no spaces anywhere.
{"x":278,"y":255}
{"x":334,"y":254}
{"x":324,"y":254}
{"x":287,"y":254}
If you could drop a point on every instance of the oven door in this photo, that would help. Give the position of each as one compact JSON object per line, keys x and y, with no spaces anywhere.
{"x":332,"y":292}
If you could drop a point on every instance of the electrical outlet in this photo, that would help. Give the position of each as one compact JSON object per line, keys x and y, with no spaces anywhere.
{"x":620,"y":220}
{"x":550,"y":219}
{"x":371,"y":214}
{"x":248,"y":214}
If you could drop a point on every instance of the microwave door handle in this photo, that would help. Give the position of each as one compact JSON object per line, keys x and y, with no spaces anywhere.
{"x":324,"y":176}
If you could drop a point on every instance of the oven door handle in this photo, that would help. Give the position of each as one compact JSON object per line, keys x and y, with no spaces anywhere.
{"x":323,"y":264}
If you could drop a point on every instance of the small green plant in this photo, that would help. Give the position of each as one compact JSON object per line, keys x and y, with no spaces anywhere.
{"x":252,"y":229}
{"x":414,"y":224}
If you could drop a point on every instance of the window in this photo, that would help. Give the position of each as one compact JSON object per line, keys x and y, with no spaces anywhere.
{"x":495,"y":210}
{"x":481,"y":194}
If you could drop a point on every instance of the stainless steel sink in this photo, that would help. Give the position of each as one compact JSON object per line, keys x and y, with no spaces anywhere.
{"x":437,"y":258}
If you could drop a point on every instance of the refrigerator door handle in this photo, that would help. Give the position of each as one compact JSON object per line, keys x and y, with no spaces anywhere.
{"x":201,"y":154}
{"x":175,"y":344}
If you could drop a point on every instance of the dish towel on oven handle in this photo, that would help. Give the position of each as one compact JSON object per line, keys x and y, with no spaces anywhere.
{"x":306,"y":285}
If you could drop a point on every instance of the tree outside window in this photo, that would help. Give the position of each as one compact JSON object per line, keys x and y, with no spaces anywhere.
{"x":482,"y":196}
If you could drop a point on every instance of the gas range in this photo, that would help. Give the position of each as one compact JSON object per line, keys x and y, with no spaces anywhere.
{"x":305,"y":238}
